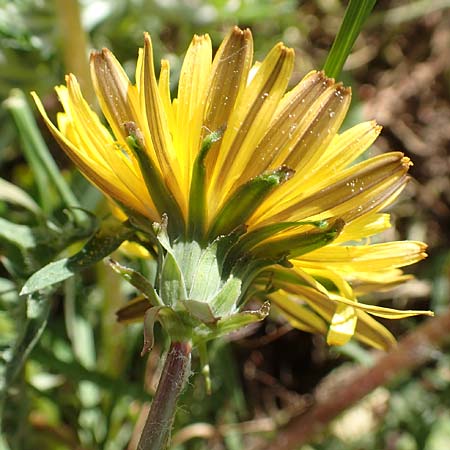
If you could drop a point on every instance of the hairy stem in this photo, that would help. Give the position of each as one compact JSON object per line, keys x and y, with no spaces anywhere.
{"x":157,"y":428}
{"x":412,"y":351}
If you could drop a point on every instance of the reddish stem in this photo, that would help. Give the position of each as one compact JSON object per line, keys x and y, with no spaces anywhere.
{"x":157,"y":428}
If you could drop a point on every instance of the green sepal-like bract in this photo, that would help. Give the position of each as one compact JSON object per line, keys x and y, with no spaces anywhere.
{"x":197,"y":194}
{"x":243,"y":203}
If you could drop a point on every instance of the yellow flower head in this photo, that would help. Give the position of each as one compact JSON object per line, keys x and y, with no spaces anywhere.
{"x":239,"y":161}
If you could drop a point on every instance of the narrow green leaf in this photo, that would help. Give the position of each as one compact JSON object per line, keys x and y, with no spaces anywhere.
{"x":151,"y":316}
{"x":246,"y":200}
{"x":38,"y":308}
{"x":19,"y":235}
{"x":107,"y":239}
{"x":257,"y":236}
{"x":50,"y":274}
{"x":188,"y":256}
{"x":38,"y":155}
{"x":197,"y":193}
{"x":137,"y":280}
{"x":13,"y":194}
{"x":171,"y":321}
{"x":355,"y":15}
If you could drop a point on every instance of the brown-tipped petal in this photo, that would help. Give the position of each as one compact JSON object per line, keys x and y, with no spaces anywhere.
{"x":355,"y":188}
{"x":328,"y":114}
{"x":284,"y":128}
{"x":253,"y":111}
{"x":118,"y":98}
{"x":229,"y":74}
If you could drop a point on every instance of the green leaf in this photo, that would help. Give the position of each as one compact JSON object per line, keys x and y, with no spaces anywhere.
{"x":188,"y":255}
{"x":241,"y":205}
{"x":137,"y":280}
{"x":13,"y":194}
{"x":172,"y":285}
{"x":38,"y":308}
{"x":50,"y":274}
{"x":107,"y":239}
{"x":355,"y":16}
{"x":258,"y":235}
{"x":38,"y":155}
{"x":19,"y":235}
{"x":170,"y":320}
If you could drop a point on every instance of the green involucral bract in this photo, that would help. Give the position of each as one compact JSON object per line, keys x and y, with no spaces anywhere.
{"x":201,"y":290}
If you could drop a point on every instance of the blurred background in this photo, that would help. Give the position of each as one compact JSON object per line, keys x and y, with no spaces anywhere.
{"x":72,"y":378}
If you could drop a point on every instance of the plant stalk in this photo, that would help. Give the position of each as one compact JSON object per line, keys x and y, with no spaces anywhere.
{"x":157,"y":428}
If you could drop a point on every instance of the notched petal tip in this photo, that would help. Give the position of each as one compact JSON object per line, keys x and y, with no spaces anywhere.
{"x":200,"y":39}
{"x":343,"y":91}
{"x":406,"y":162}
{"x":285,"y":51}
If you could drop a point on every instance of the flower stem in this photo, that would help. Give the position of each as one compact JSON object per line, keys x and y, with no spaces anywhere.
{"x":157,"y":428}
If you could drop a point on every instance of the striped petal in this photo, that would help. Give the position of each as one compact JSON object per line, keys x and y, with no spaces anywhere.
{"x":254,"y":108}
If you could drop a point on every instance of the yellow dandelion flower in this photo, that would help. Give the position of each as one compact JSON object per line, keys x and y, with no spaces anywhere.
{"x":253,"y":191}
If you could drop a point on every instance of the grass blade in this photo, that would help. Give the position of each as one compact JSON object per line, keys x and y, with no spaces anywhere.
{"x":355,"y":15}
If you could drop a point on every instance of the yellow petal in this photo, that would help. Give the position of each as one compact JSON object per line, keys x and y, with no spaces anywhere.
{"x":342,"y":326}
{"x":291,"y":120}
{"x":152,"y":108}
{"x":118,"y":98}
{"x":228,"y":77}
{"x":385,"y":313}
{"x":325,"y":118}
{"x":192,"y":91}
{"x":164,"y":92}
{"x":348,"y":194}
{"x":346,"y":148}
{"x":298,"y":315}
{"x":372,"y":333}
{"x":364,"y":226}
{"x":374,"y":257}
{"x":98,"y":174}
{"x":254,"y":108}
